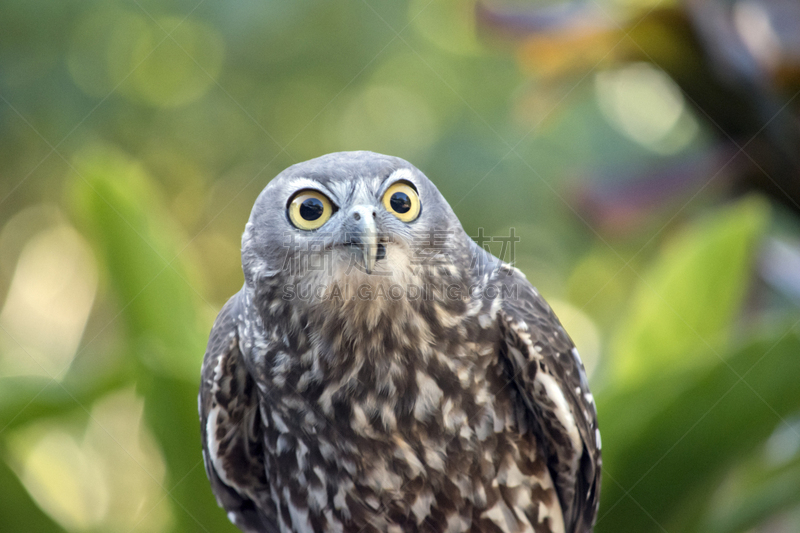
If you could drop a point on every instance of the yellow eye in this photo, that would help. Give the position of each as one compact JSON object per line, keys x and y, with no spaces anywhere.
{"x":402,"y":201}
{"x":309,"y":209}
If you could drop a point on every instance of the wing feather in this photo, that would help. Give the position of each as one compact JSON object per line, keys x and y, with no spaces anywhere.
{"x":231,"y":431}
{"x":551,"y":379}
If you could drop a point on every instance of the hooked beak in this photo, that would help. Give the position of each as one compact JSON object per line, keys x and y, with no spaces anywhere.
{"x":365,"y":235}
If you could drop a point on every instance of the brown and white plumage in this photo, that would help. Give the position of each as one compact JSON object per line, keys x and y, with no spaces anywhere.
{"x":232,"y":447}
{"x":464,"y":409}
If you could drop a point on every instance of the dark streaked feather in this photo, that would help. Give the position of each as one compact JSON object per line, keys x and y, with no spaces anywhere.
{"x":544,"y":363}
{"x":232,"y":447}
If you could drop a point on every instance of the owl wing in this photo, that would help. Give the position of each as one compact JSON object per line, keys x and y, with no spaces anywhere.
{"x":551,"y":379}
{"x":231,"y":429}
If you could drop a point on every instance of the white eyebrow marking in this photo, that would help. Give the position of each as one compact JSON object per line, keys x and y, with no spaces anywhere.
{"x":300,"y":182}
{"x":400,"y":174}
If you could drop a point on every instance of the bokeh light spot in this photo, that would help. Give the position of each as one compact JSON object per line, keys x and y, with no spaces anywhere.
{"x":97,"y":43}
{"x":646,"y":106}
{"x":106,"y":478}
{"x":583,"y":331}
{"x":449,"y":25}
{"x":65,"y":480}
{"x":388,"y":120}
{"x":167,"y":72}
{"x":48,"y":304}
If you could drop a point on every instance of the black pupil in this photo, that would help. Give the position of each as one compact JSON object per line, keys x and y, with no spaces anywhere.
{"x":400,"y":202}
{"x":311,"y":209}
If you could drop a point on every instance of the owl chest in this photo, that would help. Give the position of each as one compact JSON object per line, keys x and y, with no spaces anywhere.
{"x":393,"y":443}
{"x":373,"y":398}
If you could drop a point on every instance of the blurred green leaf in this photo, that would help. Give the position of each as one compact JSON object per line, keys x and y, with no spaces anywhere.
{"x":759,"y":497}
{"x":171,"y":411}
{"x":660,"y":471}
{"x":120,"y":208}
{"x":687,"y":301}
{"x":23,"y":399}
{"x":18,"y":512}
{"x":138,"y":242}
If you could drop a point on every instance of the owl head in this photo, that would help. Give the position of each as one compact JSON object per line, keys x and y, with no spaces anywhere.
{"x":348,"y":219}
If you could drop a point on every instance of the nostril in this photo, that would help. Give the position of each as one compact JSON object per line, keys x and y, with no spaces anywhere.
{"x":357,"y":215}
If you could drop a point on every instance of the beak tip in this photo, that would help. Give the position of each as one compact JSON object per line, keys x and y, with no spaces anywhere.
{"x":369,"y":244}
{"x":369,"y":260}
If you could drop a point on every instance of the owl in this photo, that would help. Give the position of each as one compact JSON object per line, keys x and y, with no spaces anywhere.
{"x":381,"y":372}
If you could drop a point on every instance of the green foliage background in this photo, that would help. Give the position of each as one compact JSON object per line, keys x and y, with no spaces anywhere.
{"x":135,"y":135}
